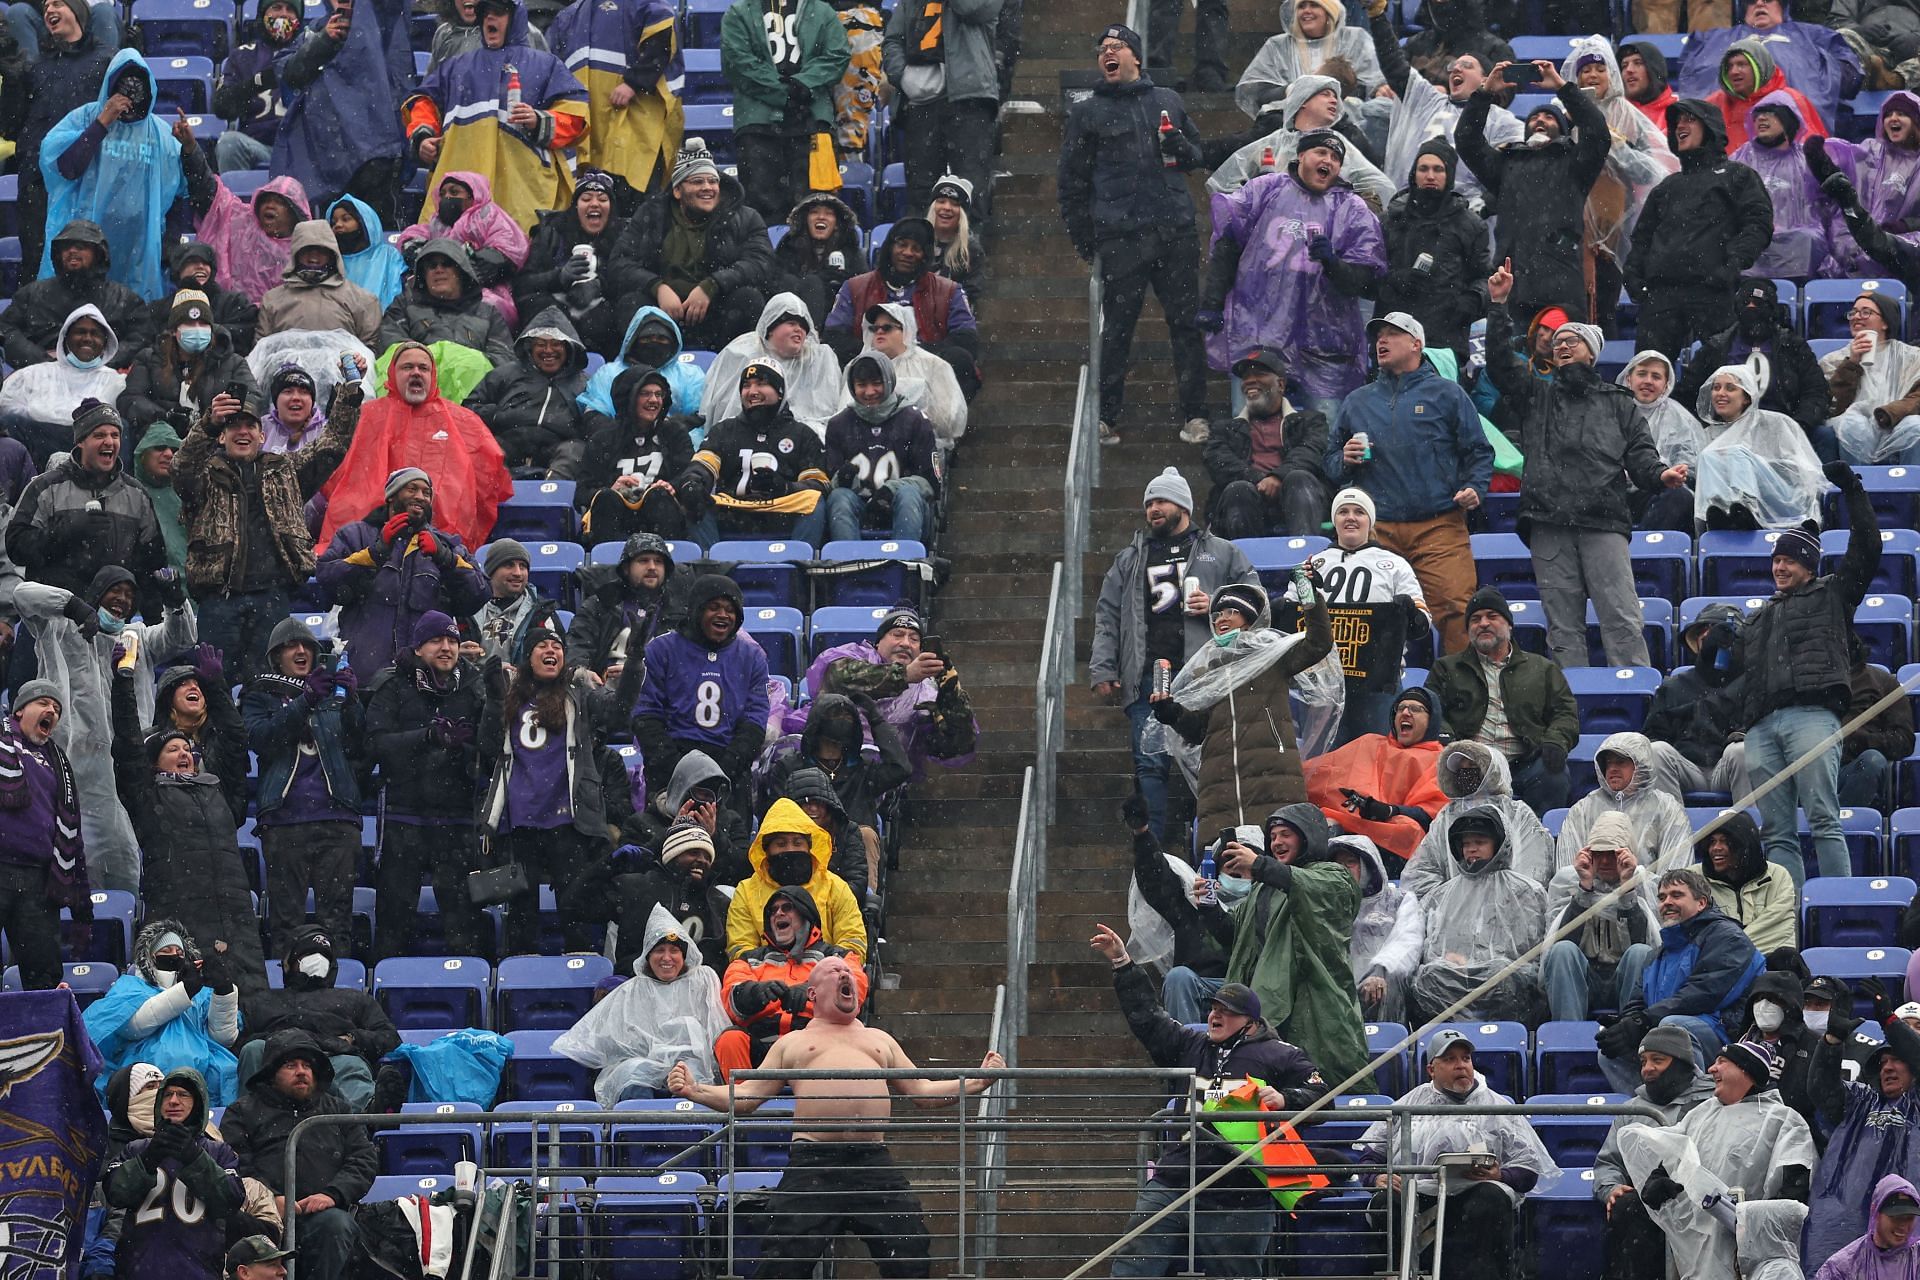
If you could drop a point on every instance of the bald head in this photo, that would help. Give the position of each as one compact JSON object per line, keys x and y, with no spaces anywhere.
{"x":835,"y":994}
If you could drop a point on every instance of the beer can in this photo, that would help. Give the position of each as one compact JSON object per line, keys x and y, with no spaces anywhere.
{"x":1162,"y":676}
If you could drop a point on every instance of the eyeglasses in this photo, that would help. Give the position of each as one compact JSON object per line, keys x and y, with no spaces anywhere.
{"x":1863,"y":313}
{"x":1112,"y":46}
{"x":1567,"y":340}
{"x":886,"y":328}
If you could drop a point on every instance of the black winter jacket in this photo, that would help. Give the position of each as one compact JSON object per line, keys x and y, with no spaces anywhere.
{"x":530,"y":413}
{"x":1694,"y":716}
{"x":739,"y":254}
{"x":424,"y":779}
{"x":609,"y":606}
{"x":154,"y":383}
{"x":1539,"y":197}
{"x":1583,"y":439}
{"x":588,"y":305}
{"x":1705,"y":225}
{"x":1166,"y":893}
{"x":337,"y":1160}
{"x":30,"y":327}
{"x":1794,"y":648}
{"x":623,"y":889}
{"x":1113,"y":180}
{"x":56,"y":540}
{"x":470,"y":320}
{"x":340,"y":1019}
{"x":861,"y":780}
{"x":1449,"y":297}
{"x":1798,"y":387}
{"x":1796,"y":1042}
{"x":1229,"y":450}
{"x":232,"y":311}
{"x":616,"y":447}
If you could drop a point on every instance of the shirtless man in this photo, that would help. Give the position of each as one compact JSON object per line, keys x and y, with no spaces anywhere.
{"x":837,"y":1181}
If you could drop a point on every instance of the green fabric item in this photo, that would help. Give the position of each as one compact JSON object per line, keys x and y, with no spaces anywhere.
{"x":1506,"y":459}
{"x":683,"y":253}
{"x":1298,"y":964}
{"x":461,"y":369}
{"x":166,"y":503}
{"x":759,"y":94}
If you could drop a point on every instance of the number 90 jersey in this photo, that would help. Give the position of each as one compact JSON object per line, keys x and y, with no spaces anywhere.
{"x":1370,"y":575}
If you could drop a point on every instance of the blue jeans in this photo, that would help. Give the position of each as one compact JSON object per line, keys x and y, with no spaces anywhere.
{"x":1779,"y":739}
{"x":1539,"y":788}
{"x":1149,"y":770}
{"x":236,"y":149}
{"x":239,"y":625}
{"x":1226,"y":1242}
{"x":1624,"y":1073}
{"x":1186,"y":994}
{"x":1864,"y":782}
{"x":809,"y":528}
{"x":845,"y":508}
{"x":1575,"y":988}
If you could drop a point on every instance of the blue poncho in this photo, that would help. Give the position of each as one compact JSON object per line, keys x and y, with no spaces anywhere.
{"x":688,"y":380}
{"x":378,"y":268}
{"x":183,"y":1042}
{"x":351,"y":114}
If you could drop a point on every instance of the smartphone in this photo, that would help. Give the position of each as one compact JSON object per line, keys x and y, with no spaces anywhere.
{"x":930,"y":644}
{"x":238,"y":391}
{"x":1522,"y":73}
{"x":1227,"y":836}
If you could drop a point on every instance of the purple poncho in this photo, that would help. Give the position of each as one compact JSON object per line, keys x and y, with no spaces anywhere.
{"x":1801,"y":212}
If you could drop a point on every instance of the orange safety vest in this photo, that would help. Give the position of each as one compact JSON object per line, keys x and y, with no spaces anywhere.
{"x":1282,"y":1161}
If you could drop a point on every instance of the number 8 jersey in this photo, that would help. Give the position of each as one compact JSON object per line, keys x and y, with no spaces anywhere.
{"x":701,"y":692}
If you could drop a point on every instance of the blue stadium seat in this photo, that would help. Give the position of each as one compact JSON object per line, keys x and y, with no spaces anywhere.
{"x":537,"y":1074}
{"x":782,"y":634}
{"x":1825,"y":303}
{"x":1889,"y":964}
{"x":539,"y":510}
{"x":10,"y":265}
{"x":245,"y":182}
{"x":1662,"y":564}
{"x":513,"y":1140}
{"x":1824,"y":347}
{"x":1554,"y":49}
{"x":1565,"y":1224}
{"x":551,"y":566}
{"x":1572,"y":1141}
{"x":1500,"y":1053}
{"x":892,"y":202}
{"x":705,"y":83}
{"x":1737,"y":563}
{"x":1690,"y":607}
{"x":703,"y":25}
{"x":1861,"y":828}
{"x":605,"y":552}
{"x":10,"y":204}
{"x":1614,"y":355}
{"x":857,"y":180}
{"x":183,"y":84}
{"x":546,"y":993}
{"x":1330,"y":1128}
{"x":429,"y":1148}
{"x":714,"y":122}
{"x":88,"y":978}
{"x":1656,"y":628}
{"x":324,"y":628}
{"x":111,"y":908}
{"x":651,"y":1225}
{"x":1853,"y":911}
{"x":1553,"y":820}
{"x":1612,"y":699}
{"x":403,"y":1186}
{"x":1334,"y":1237}
{"x":1392,"y":1077}
{"x":350,"y":974}
{"x":746,"y":1241}
{"x":702,"y":360}
{"x":894,"y":576}
{"x":765,"y":1135}
{"x":1884,"y":624}
{"x":840,"y":625}
{"x":1566,"y":1059}
{"x":420,"y":60}
{"x":1275,"y":559}
{"x":184,"y":28}
{"x":1904,"y":826}
{"x":433,"y":991}
{"x":1580,"y":775}
{"x":1503,"y":512}
{"x":767,"y":571}
{"x":777,"y":232}
{"x":1505,"y":563}
{"x":1899,"y":557}
{"x":674,"y":1125}
{"x":559,"y":1217}
{"x":1894,"y":492}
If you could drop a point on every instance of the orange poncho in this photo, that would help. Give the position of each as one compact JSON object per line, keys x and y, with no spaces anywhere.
{"x":1377,"y":766}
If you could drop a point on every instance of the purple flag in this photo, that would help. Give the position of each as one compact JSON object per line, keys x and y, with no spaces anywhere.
{"x":52,"y":1134}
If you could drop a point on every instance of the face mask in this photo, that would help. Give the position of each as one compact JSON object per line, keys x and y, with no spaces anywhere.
{"x":1816,"y":1020}
{"x":165,"y":977}
{"x":1767,"y":1015}
{"x":1226,"y":638}
{"x":313,"y":965}
{"x":1755,"y":323}
{"x":451,"y":209}
{"x":195,"y":340}
{"x":313,"y":275}
{"x":110,"y":624}
{"x":86,"y":366}
{"x":651,"y":354}
{"x":1536,"y":140}
{"x":790,"y":868}
{"x":280,"y":30}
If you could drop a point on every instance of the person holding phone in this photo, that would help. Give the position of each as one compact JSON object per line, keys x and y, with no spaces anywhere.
{"x":191,"y":369}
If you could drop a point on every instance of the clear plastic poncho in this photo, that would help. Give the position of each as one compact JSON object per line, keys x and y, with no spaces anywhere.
{"x":1425,"y":112}
{"x":1477,"y":923}
{"x":816,"y":390}
{"x":318,"y":351}
{"x":1389,"y":928}
{"x":1509,"y":1139}
{"x":1761,"y":460}
{"x":925,"y":380}
{"x":1432,"y":863}
{"x":1149,"y":935}
{"x":1676,"y":433}
{"x":1289,"y":55}
{"x":1318,"y":693}
{"x":636,"y":1034}
{"x":1637,"y":161}
{"x":1244,"y":165}
{"x":1887,"y":374}
{"x":1714,"y":1148}
{"x":1801,"y":210}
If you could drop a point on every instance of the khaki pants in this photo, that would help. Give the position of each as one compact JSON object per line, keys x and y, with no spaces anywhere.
{"x":1442,"y":560}
{"x":1661,"y":16}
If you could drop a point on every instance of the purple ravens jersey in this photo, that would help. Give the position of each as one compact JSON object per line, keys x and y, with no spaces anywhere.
{"x":702,"y":692}
{"x":170,"y":1233}
{"x":537,"y":790}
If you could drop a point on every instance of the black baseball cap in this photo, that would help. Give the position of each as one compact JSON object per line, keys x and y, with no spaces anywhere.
{"x":1260,"y":358}
{"x":1237,"y":997}
{"x":254,"y":1249}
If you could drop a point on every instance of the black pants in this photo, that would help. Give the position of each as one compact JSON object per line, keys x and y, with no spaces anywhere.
{"x":1168,"y":262}
{"x":1479,"y":1236}
{"x":955,"y":137}
{"x":830,"y":1188}
{"x":409,"y":853}
{"x":773,"y":169}
{"x":238,"y":625}
{"x":1298,"y":510}
{"x":322,"y":856}
{"x":1672,"y":319}
{"x":732,"y":314}
{"x":32,"y":926}
{"x":555,"y":856}
{"x":612,"y":520}
{"x":1209,"y":42}
{"x":1636,"y":1247}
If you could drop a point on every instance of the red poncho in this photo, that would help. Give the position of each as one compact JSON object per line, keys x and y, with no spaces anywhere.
{"x":1375,"y":765}
{"x":451,"y":444}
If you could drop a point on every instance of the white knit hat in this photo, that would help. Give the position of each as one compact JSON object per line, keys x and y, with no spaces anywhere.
{"x":1357,"y":497}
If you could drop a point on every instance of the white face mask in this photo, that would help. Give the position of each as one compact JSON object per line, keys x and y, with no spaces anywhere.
{"x":165,"y":977}
{"x":1816,"y":1020}
{"x":1767,"y":1015}
{"x":312,"y":965}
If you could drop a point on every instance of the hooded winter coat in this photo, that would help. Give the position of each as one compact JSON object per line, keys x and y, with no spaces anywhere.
{"x":46,"y":394}
{"x":738,"y":253}
{"x":340,"y":1019}
{"x":1662,"y":837}
{"x":1815,"y":60}
{"x":1753,"y":892}
{"x":691,"y":681}
{"x":630,"y":884}
{"x":335,"y":303}
{"x":251,"y":261}
{"x":688,"y":380}
{"x":535,"y":415}
{"x":377,"y":266}
{"x":1474,"y":776}
{"x":336,"y":1160}
{"x":589,"y":305}
{"x":934,"y":717}
{"x":232,"y":311}
{"x":161,"y":382}
{"x":1537,"y":197}
{"x":1376,"y":765}
{"x":839,"y":919}
{"x":1704,"y":969}
{"x":612,"y":611}
{"x":754,"y":990}
{"x":1476,"y":923}
{"x":496,"y":242}
{"x":469,"y":320}
{"x":381,"y":599}
{"x":145,"y":1019}
{"x":192,"y":868}
{"x":1447,"y":30}
{"x":1289,"y":55}
{"x":1793,"y":1041}
{"x":1696,"y":710}
{"x":1291,"y":940}
{"x":1249,"y":757}
{"x":1871,"y":1139}
{"x":1802,"y":212}
{"x":800,"y":264}
{"x":1660,"y":96}
{"x":815,"y":390}
{"x":185,"y":1227}
{"x":423,"y":777}
{"x":1451,"y":293}
{"x":860,"y":781}
{"x":890,"y":441}
{"x":1683,"y":1087}
{"x":42,"y":308}
{"x":648,"y":826}
{"x":1705,"y":226}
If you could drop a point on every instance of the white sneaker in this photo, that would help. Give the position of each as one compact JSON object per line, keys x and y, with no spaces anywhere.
{"x":1196,"y":431}
{"x":1108,"y":433}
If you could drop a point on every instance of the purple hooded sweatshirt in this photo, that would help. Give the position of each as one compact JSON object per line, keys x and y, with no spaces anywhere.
{"x":1801,"y":211}
{"x":1281,"y":297}
{"x":1864,"y":1260}
{"x":1888,"y":178}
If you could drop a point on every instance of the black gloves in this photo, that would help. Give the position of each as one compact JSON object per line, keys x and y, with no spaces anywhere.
{"x":1660,"y":1188}
{"x":1553,"y":757}
{"x":191,"y":978}
{"x":573,"y":270}
{"x":1839,"y":190}
{"x":794,"y":1000}
{"x":1882,"y":1002}
{"x":1133,"y":812}
{"x":173,"y":587}
{"x":1166,"y":711}
{"x":216,"y":970}
{"x":799,"y":99}
{"x":751,"y":997}
{"x":1844,"y":476}
{"x":1370,"y":809}
{"x":847,"y":477}
{"x":170,"y":1141}
{"x":765,"y":482}
{"x":1622,"y":1038}
{"x":1815,"y":150}
{"x":1841,"y":1025}
{"x":1320,"y":248}
{"x":693,"y":484}
{"x":450,"y":733}
{"x":491,"y":267}
{"x":81,"y":615}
